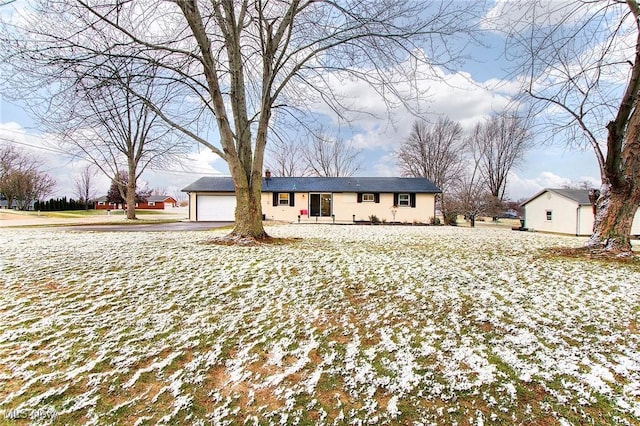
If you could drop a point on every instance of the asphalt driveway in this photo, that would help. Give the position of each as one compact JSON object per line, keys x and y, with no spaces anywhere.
{"x":149,"y":227}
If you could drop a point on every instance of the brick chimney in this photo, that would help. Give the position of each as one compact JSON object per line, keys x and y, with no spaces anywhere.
{"x":267,"y":174}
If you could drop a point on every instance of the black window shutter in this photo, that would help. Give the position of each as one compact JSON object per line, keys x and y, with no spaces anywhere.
{"x":395,"y":198}
{"x":292,"y":196}
{"x":413,"y":199}
{"x":275,"y":199}
{"x":376,"y":197}
{"x":359,"y":197}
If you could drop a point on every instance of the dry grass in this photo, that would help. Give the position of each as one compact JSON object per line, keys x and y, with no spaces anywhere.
{"x":334,"y":325}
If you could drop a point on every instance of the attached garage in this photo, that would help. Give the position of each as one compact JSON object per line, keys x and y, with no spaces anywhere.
{"x":212,"y":199}
{"x":215,"y":208}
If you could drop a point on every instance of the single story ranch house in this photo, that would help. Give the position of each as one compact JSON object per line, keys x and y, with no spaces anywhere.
{"x":564,"y":211}
{"x":321,"y":199}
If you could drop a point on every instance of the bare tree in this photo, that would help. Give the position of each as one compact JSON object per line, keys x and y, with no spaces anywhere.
{"x":582,"y":62}
{"x":85,"y":185}
{"x":505,"y":139}
{"x":180,"y":197}
{"x":470,"y":195}
{"x":285,"y":158}
{"x":21,"y":180}
{"x":331,"y":157}
{"x":118,"y":194}
{"x":237,"y":61}
{"x":160,"y":190}
{"x":103,"y":120}
{"x":435,"y":152}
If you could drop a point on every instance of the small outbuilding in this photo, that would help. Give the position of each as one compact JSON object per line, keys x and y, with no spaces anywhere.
{"x":320,"y":199}
{"x":564,"y":211}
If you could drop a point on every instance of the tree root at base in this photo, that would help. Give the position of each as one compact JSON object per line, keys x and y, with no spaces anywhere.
{"x":246,"y":241}
{"x":595,"y":253}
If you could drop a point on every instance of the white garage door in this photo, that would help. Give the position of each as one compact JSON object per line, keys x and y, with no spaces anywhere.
{"x":219,"y":208}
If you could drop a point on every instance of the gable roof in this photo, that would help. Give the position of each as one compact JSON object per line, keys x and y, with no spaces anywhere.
{"x":580,"y":196}
{"x":160,"y":198}
{"x":322,"y":184}
{"x":153,"y":198}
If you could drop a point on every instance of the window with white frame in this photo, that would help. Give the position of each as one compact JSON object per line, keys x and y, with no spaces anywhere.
{"x":283,"y":199}
{"x":152,"y":203}
{"x":368,"y":198}
{"x":101,"y":203}
{"x":549,"y":215}
{"x":404,"y":200}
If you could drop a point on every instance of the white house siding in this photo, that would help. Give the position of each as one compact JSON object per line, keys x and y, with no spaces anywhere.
{"x":635,"y":226}
{"x":211,"y":206}
{"x":568,"y":217}
{"x":284,"y":213}
{"x":585,"y":220}
{"x":345,"y":205}
{"x":422,"y":212}
{"x":564,"y":213}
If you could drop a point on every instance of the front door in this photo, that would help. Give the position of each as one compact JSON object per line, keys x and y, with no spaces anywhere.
{"x":320,"y":205}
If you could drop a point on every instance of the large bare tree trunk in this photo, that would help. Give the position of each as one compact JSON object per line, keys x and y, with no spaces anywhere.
{"x":620,"y":194}
{"x":249,"y":214}
{"x":130,"y":197}
{"x":612,"y":227}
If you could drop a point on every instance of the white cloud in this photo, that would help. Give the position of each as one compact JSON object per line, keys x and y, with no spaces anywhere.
{"x":64,"y":168}
{"x":517,"y":15}
{"x":55,"y":162}
{"x":386,"y":166}
{"x":378,"y":123}
{"x":520,"y":188}
{"x":197,"y":164}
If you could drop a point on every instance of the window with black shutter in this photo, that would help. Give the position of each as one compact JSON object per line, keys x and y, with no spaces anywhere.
{"x":284,"y":198}
{"x":404,"y":200}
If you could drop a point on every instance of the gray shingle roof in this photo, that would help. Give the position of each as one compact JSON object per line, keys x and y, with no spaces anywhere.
{"x":158,"y":198}
{"x":580,"y":196}
{"x":154,"y":198}
{"x":322,"y":184}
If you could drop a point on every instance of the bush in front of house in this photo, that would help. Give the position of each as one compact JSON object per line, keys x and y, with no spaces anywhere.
{"x":451,"y":219}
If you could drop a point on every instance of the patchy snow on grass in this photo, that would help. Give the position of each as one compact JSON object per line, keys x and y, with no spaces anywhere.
{"x":351,"y":324}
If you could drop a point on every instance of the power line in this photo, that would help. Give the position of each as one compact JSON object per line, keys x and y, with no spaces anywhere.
{"x":76,"y":156}
{"x":44,"y":148}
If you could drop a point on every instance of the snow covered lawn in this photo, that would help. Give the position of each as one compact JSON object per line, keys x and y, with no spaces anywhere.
{"x":350,"y":325}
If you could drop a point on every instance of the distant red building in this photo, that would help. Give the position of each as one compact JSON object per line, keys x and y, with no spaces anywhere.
{"x":155,"y":202}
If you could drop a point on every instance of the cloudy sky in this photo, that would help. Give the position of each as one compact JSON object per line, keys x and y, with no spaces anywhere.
{"x":481,"y":87}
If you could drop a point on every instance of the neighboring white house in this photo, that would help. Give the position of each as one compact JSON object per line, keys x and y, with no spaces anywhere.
{"x":564,"y":211}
